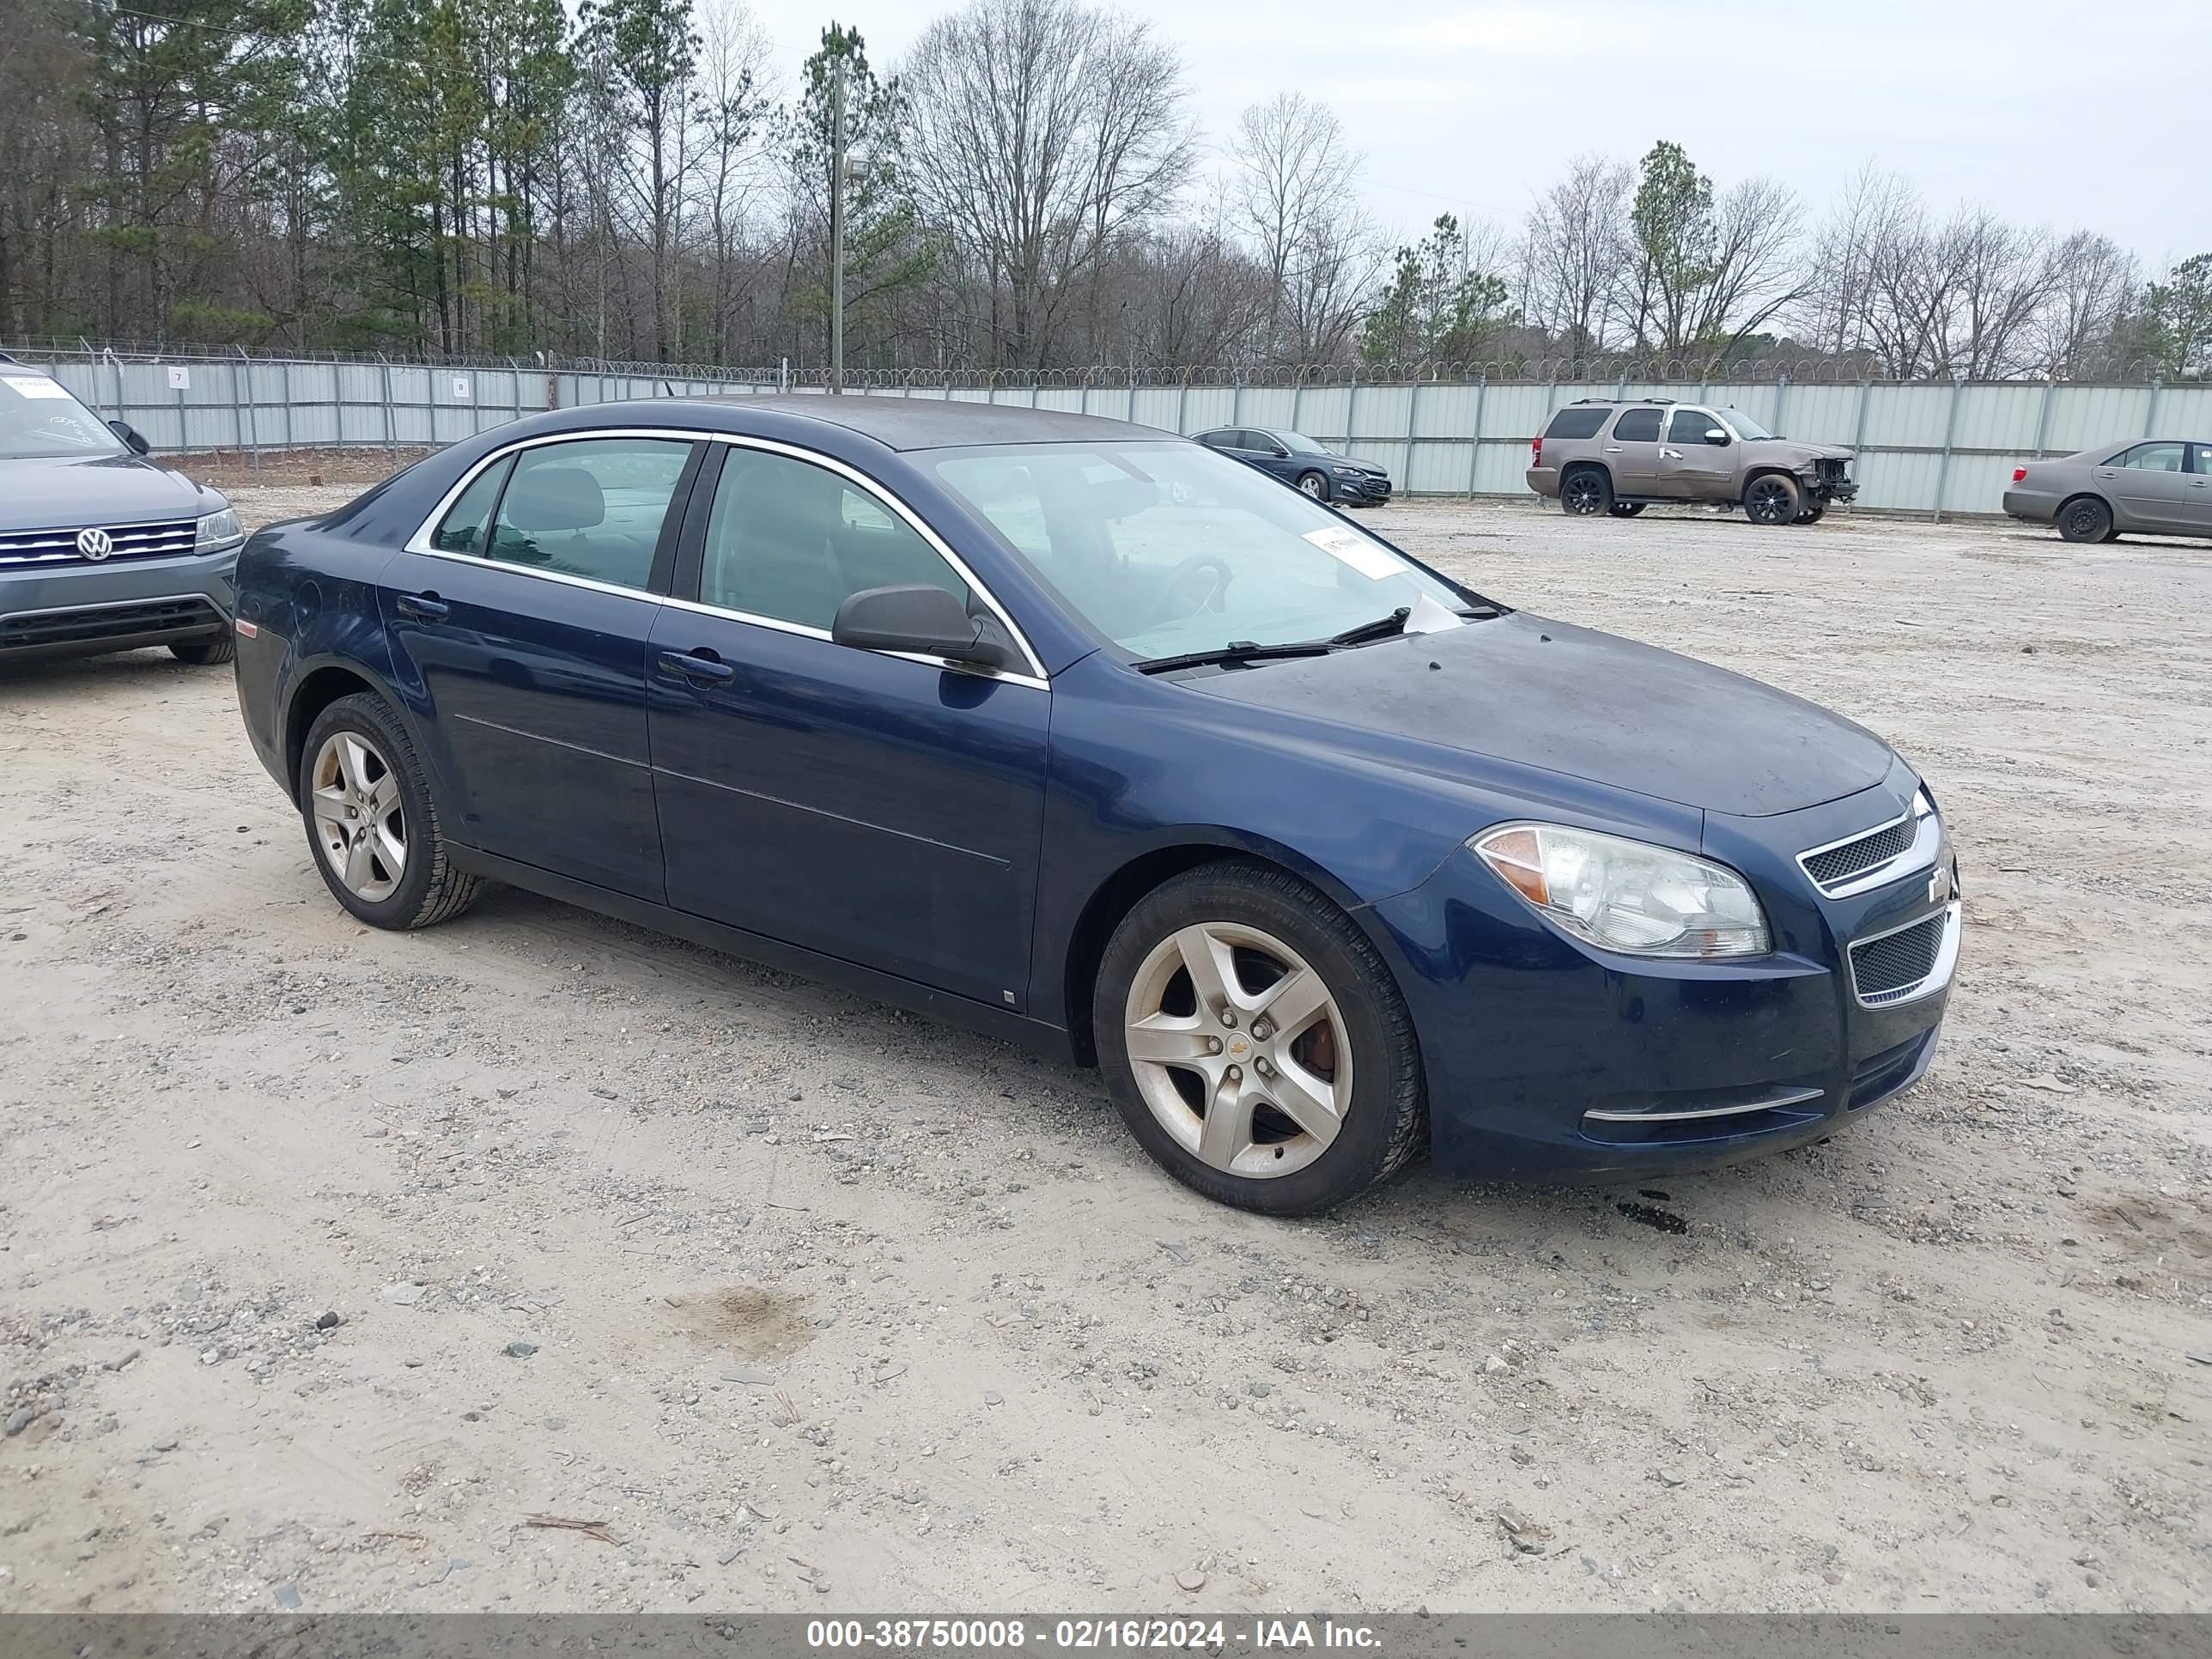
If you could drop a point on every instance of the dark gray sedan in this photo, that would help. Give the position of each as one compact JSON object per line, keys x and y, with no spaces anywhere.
{"x":2159,"y":487}
{"x":101,"y":549}
{"x":1297,"y":461}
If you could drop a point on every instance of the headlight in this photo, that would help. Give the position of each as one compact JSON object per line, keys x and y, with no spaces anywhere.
{"x":1348,"y":472}
{"x":218,"y":530}
{"x":1628,"y":896}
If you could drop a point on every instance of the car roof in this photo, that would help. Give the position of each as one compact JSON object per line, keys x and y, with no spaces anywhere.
{"x":938,"y":423}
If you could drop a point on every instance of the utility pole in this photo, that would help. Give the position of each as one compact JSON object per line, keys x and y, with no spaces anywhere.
{"x":837,"y":225}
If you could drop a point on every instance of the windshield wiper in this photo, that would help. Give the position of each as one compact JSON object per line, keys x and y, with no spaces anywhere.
{"x":1382,"y":628}
{"x":1235,"y":651}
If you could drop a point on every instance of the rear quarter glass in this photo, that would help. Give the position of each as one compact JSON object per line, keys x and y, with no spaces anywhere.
{"x":1577,"y":422}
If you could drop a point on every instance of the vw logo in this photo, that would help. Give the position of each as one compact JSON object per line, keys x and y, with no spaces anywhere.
{"x":94,"y":544}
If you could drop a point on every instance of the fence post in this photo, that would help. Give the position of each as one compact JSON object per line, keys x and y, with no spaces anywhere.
{"x":2043,"y":415}
{"x":1237,"y":401}
{"x":2150,"y":415}
{"x":1298,"y":400}
{"x":1858,"y":433}
{"x":1412,"y":430}
{"x":1781,"y":394}
{"x":384,"y":370}
{"x":1474,"y":444}
{"x":1950,"y":431}
{"x":1352,"y":414}
{"x":1182,"y":405}
{"x":184,"y":424}
{"x":284,"y":385}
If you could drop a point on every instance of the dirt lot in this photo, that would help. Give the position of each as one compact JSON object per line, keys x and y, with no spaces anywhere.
{"x":328,"y":1258}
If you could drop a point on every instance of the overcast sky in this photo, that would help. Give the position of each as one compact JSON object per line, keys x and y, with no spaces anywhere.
{"x":2075,"y":115}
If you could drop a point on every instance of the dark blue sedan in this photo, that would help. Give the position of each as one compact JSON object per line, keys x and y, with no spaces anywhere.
{"x":1312,"y":468}
{"x":1089,"y":737}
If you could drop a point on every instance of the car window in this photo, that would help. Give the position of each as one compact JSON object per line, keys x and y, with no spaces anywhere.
{"x":1577,"y":422}
{"x":591,"y":508}
{"x":2155,"y":457}
{"x":1223,"y":440}
{"x":1164,"y":547}
{"x":790,"y":540}
{"x":38,"y":416}
{"x":1689,"y":426}
{"x":2200,"y":458}
{"x":1636,"y":426}
{"x":463,"y":530}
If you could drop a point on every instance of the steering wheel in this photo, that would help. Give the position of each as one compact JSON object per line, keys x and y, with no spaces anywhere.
{"x":1165,"y":594}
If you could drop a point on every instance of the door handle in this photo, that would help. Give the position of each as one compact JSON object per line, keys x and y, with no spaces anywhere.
{"x":1665,"y":454}
{"x":426,"y":607}
{"x":1613,"y":449}
{"x":697,"y":668}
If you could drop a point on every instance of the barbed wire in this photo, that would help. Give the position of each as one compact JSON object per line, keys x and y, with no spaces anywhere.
{"x":1621,"y":370}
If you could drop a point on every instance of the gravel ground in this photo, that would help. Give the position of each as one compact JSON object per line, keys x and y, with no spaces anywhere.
{"x":332,"y":1262}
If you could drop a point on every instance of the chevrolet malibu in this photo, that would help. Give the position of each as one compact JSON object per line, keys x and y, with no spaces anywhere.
{"x":1088,"y":736}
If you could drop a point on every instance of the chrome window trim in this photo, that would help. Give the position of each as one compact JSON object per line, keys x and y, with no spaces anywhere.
{"x":420,"y":541}
{"x":1939,"y":973}
{"x":1927,"y":844}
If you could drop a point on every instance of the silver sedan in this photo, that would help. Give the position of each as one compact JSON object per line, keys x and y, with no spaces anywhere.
{"x":2160,"y":487}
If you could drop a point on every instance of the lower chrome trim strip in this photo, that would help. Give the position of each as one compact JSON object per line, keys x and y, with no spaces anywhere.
{"x":1772,"y":1103}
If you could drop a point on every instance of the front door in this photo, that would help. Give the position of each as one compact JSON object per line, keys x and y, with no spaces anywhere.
{"x":525,"y":631}
{"x":1632,"y":452}
{"x":874,"y":808}
{"x":1693,"y":467}
{"x":2198,"y":504}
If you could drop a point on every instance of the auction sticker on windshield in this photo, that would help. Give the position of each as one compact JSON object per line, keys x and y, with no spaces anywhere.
{"x":35,"y":385}
{"x":1376,"y":562}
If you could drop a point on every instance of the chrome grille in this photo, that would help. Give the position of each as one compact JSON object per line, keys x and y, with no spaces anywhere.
{"x":1840,"y":864}
{"x":170,"y":536}
{"x":1891,"y":968}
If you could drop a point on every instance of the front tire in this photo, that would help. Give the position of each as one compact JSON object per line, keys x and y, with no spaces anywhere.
{"x":372,"y":825}
{"x":1772,"y":498}
{"x":1586,"y":492}
{"x":1810,"y":513}
{"x":1314,"y":486}
{"x":2086,"y":518}
{"x":200,"y":654}
{"x":1255,"y":1043}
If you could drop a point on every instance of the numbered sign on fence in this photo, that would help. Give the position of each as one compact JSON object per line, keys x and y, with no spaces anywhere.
{"x":460,"y":388}
{"x":181,"y":379}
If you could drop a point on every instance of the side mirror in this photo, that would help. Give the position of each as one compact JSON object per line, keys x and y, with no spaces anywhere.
{"x":132,"y":438}
{"x":921,"y":619}
{"x":1715,"y":435}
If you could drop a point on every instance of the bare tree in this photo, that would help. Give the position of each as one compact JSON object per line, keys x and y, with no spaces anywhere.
{"x":1293,"y":194}
{"x":1043,"y":128}
{"x":1573,"y":251}
{"x":2094,"y":283}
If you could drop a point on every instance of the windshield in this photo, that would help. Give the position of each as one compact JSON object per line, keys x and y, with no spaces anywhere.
{"x":1168,"y":548}
{"x":1746,"y":427}
{"x":38,"y":416}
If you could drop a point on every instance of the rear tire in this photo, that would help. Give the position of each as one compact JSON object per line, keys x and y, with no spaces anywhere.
{"x":1210,"y":1054}
{"x":1626,"y":509}
{"x":1772,"y":498}
{"x":373,"y":829}
{"x":1586,"y":492}
{"x":215,"y":648}
{"x":2086,"y":518}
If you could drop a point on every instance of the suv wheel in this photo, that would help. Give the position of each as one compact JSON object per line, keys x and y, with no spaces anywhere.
{"x":1585,"y":491}
{"x":2086,"y":518}
{"x":1255,"y":1044}
{"x":1772,"y":498}
{"x":1626,"y":509}
{"x":216,"y":648}
{"x":372,"y":823}
{"x":1810,"y":513}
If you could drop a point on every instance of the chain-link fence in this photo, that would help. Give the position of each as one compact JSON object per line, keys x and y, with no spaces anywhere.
{"x":1935,"y":448}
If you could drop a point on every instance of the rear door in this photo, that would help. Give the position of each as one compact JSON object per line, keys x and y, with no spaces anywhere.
{"x":1631,"y":450}
{"x":871,"y":807}
{"x":523,"y":618}
{"x":2149,"y":487}
{"x":2198,"y":502}
{"x":1691,"y":468}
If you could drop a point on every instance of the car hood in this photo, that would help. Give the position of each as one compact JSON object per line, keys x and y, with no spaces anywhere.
{"x":1790,"y":453}
{"x":1593,"y":705}
{"x":69,"y":491}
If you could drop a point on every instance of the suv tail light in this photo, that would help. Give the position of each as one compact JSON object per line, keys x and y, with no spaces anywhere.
{"x":2019,"y":473}
{"x":1537,"y":450}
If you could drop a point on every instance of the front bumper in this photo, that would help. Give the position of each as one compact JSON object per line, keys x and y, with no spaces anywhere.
{"x":86,"y":610}
{"x":1550,"y":1061}
{"x":1364,"y":491}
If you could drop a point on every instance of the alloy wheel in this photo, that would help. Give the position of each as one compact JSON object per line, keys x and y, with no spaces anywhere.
{"x":1238,"y":1049}
{"x":1582,"y":494}
{"x":360,"y":823}
{"x":1769,"y":501}
{"x":1313,"y":486}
